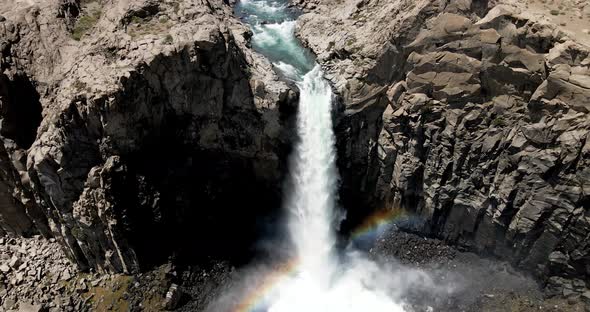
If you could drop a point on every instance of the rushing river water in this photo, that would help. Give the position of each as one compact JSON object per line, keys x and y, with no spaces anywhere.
{"x":316,"y":280}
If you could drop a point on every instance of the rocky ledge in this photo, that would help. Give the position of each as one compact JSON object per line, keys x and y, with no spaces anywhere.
{"x":472,"y":114}
{"x":36,"y":276}
{"x":132,"y":129}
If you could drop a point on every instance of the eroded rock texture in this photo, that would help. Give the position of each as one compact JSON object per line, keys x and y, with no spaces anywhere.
{"x":472,"y":115}
{"x":152,"y":130}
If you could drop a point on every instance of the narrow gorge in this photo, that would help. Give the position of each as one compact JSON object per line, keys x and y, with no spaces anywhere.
{"x":306,"y":155}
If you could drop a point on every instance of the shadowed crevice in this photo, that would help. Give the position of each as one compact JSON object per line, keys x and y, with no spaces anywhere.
{"x":20,"y":109}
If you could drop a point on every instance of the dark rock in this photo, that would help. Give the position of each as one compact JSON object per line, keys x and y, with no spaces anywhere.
{"x":173,"y":297}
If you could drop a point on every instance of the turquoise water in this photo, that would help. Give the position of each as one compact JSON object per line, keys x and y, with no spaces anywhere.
{"x":273,"y":25}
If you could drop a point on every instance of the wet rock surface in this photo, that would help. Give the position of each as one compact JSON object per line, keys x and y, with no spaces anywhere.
{"x":470,"y":282}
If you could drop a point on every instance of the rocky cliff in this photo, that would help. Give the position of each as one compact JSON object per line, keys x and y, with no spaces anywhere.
{"x":472,"y":114}
{"x":135,"y":130}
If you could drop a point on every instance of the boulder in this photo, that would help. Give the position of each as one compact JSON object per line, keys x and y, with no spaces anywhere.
{"x":28,"y":307}
{"x":173,"y":297}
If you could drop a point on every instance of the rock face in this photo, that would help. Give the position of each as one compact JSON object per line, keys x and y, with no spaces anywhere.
{"x":155,"y":132}
{"x":473,"y":115}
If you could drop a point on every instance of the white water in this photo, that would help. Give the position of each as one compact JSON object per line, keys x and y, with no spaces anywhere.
{"x":322,"y":282}
{"x":314,"y":178}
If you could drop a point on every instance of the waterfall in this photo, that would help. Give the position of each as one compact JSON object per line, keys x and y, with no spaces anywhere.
{"x":313,"y":178}
{"x":320,"y":282}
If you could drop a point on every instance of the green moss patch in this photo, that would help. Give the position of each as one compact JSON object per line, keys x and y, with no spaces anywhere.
{"x":86,"y":22}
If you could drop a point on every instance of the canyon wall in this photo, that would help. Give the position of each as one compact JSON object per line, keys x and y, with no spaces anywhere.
{"x":137,"y":130}
{"x":472,"y":115}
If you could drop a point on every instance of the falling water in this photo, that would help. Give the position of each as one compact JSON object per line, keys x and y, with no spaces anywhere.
{"x":313,"y":174}
{"x":321,"y":282}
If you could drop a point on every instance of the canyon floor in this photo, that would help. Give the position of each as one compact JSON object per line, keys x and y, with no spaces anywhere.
{"x":39,"y":273}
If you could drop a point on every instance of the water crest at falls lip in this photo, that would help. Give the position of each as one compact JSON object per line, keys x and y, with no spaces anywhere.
{"x":273,"y":27}
{"x":319,"y":280}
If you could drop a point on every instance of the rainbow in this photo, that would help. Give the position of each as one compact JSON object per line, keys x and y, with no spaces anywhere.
{"x":378,"y":223}
{"x":256,"y":300}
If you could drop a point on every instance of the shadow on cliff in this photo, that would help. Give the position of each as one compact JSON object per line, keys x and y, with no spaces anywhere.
{"x":203,"y":177}
{"x":21,"y":109}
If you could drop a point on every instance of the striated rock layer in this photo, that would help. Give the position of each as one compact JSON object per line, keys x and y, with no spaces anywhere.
{"x":133,"y":129}
{"x":471,"y":114}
